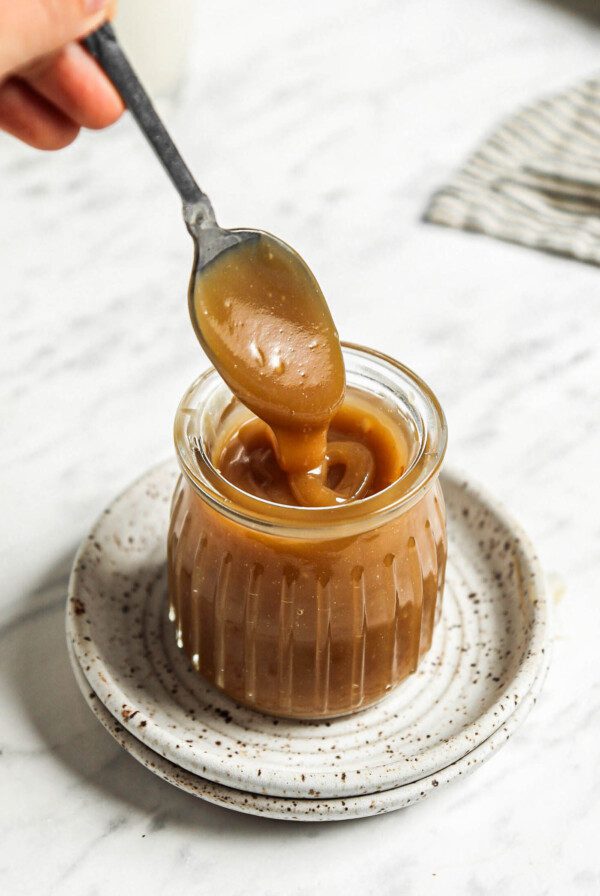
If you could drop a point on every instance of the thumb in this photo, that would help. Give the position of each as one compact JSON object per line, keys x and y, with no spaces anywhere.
{"x":33,"y":28}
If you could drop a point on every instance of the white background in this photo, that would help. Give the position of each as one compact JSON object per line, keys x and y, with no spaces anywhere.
{"x":329,"y":124}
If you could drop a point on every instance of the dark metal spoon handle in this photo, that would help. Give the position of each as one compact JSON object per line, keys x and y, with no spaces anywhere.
{"x":105,"y":48}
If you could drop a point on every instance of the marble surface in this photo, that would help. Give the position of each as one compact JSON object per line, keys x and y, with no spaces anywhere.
{"x":329,"y":124}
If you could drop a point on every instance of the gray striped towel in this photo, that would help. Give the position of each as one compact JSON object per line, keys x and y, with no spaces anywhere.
{"x":536,"y":180}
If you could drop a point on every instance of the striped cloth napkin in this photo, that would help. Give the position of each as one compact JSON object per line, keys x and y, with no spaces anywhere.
{"x":536,"y":180}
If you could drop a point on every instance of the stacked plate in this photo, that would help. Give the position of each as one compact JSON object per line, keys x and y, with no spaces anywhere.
{"x":477,"y":684}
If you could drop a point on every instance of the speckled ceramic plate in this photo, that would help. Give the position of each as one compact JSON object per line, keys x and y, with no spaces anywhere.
{"x":305,"y":809}
{"x":488,"y":651}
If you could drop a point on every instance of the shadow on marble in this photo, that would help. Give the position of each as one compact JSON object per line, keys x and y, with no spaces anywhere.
{"x":587,"y":9}
{"x":40,"y":675}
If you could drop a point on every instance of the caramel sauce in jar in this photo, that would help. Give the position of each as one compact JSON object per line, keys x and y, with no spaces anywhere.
{"x":309,"y":592}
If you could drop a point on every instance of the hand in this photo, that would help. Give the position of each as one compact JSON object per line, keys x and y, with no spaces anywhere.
{"x":49,"y":86}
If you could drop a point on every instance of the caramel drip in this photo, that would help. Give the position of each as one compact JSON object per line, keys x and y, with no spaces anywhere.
{"x":264,"y":323}
{"x":365,"y":452}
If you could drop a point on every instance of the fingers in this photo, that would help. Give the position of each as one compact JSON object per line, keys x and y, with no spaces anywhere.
{"x":55,"y":86}
{"x":33,"y":119}
{"x":33,"y":28}
{"x":51,"y":99}
{"x":72,"y":81}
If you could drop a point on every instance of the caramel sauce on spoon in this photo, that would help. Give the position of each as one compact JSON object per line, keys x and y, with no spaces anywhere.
{"x":264,"y":323}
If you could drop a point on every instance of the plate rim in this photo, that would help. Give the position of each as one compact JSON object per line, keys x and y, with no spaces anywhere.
{"x":215,"y":766}
{"x":304,"y":809}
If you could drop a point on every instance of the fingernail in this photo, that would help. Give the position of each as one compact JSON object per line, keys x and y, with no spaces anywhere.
{"x":94,"y":6}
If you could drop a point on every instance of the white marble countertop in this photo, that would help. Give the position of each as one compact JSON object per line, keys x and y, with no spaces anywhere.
{"x":329,"y":124}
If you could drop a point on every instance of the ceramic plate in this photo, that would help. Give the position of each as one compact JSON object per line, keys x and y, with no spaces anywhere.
{"x":488,"y":651}
{"x":303,"y":809}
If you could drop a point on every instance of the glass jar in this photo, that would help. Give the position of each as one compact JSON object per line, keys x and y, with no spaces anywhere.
{"x":299,"y":611}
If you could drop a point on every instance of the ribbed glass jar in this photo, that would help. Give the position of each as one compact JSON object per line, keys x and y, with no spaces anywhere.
{"x":308,"y":612}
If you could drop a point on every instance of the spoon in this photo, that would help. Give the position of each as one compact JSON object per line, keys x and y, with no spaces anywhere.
{"x":197,"y":208}
{"x":258,"y":312}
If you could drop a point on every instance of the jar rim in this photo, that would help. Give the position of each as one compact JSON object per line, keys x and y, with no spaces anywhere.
{"x":317,"y":522}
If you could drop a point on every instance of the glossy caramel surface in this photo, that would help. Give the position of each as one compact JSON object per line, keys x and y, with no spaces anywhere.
{"x":365,"y":452}
{"x":265,"y":325}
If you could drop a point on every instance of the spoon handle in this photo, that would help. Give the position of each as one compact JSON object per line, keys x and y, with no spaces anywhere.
{"x":105,"y":48}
